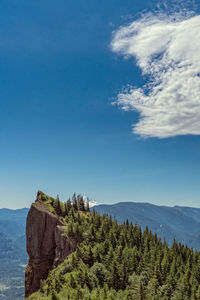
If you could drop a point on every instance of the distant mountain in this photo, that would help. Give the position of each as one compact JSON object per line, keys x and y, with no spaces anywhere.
{"x":13,"y":225}
{"x":13,"y":222}
{"x":93,"y":203}
{"x":9,"y":251}
{"x":14,"y":214}
{"x":180,"y":223}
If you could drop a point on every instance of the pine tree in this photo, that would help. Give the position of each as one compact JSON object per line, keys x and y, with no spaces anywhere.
{"x":75,"y":202}
{"x":68,"y":206}
{"x":87,"y":205}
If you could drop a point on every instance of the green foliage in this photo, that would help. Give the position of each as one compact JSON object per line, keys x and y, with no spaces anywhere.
{"x":114,"y":261}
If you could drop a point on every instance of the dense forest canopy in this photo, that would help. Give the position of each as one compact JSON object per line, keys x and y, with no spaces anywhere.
{"x":117,"y":261}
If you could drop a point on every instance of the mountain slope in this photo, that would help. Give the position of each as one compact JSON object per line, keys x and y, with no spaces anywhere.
{"x":9,"y":251}
{"x":110,"y":261}
{"x":13,"y":222}
{"x":180,"y":223}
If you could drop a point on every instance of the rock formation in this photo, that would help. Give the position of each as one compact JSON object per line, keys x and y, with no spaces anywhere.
{"x":47,"y":245}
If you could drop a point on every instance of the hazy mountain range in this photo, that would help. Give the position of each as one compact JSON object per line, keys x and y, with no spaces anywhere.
{"x":180,"y":223}
{"x":13,"y":224}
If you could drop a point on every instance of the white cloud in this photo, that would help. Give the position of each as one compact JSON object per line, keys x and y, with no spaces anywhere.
{"x":167,"y":49}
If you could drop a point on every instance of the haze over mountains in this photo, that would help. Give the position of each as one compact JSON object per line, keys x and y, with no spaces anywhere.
{"x":13,"y":224}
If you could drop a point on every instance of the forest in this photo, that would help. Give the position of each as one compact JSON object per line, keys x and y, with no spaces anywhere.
{"x":118,"y":261}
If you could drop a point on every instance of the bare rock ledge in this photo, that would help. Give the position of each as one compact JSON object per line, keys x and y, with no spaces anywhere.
{"x":46,"y":244}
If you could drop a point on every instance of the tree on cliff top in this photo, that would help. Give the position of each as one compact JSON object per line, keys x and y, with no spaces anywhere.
{"x":119,"y":261}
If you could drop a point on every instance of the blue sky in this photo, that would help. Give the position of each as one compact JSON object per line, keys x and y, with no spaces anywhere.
{"x":60,"y":132}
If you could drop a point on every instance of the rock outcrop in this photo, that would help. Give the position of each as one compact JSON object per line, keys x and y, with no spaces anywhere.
{"x":47,"y":245}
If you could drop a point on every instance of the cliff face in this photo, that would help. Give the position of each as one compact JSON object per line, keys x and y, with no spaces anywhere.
{"x":46,"y":244}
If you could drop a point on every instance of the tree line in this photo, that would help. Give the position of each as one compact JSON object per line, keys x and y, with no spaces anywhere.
{"x":119,"y":261}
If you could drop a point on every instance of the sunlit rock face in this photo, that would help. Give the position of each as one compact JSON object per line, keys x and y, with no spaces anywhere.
{"x":46,"y":244}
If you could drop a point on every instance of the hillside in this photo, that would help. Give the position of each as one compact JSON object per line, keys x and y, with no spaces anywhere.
{"x":109,"y":261}
{"x":180,"y":223}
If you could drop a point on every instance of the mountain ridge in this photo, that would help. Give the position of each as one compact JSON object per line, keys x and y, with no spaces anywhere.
{"x":180,"y":223}
{"x":144,"y":213}
{"x":110,"y":260}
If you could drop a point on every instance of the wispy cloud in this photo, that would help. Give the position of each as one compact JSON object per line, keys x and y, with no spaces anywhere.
{"x":167,"y":49}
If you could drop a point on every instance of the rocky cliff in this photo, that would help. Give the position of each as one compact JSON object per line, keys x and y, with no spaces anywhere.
{"x":47,"y":245}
